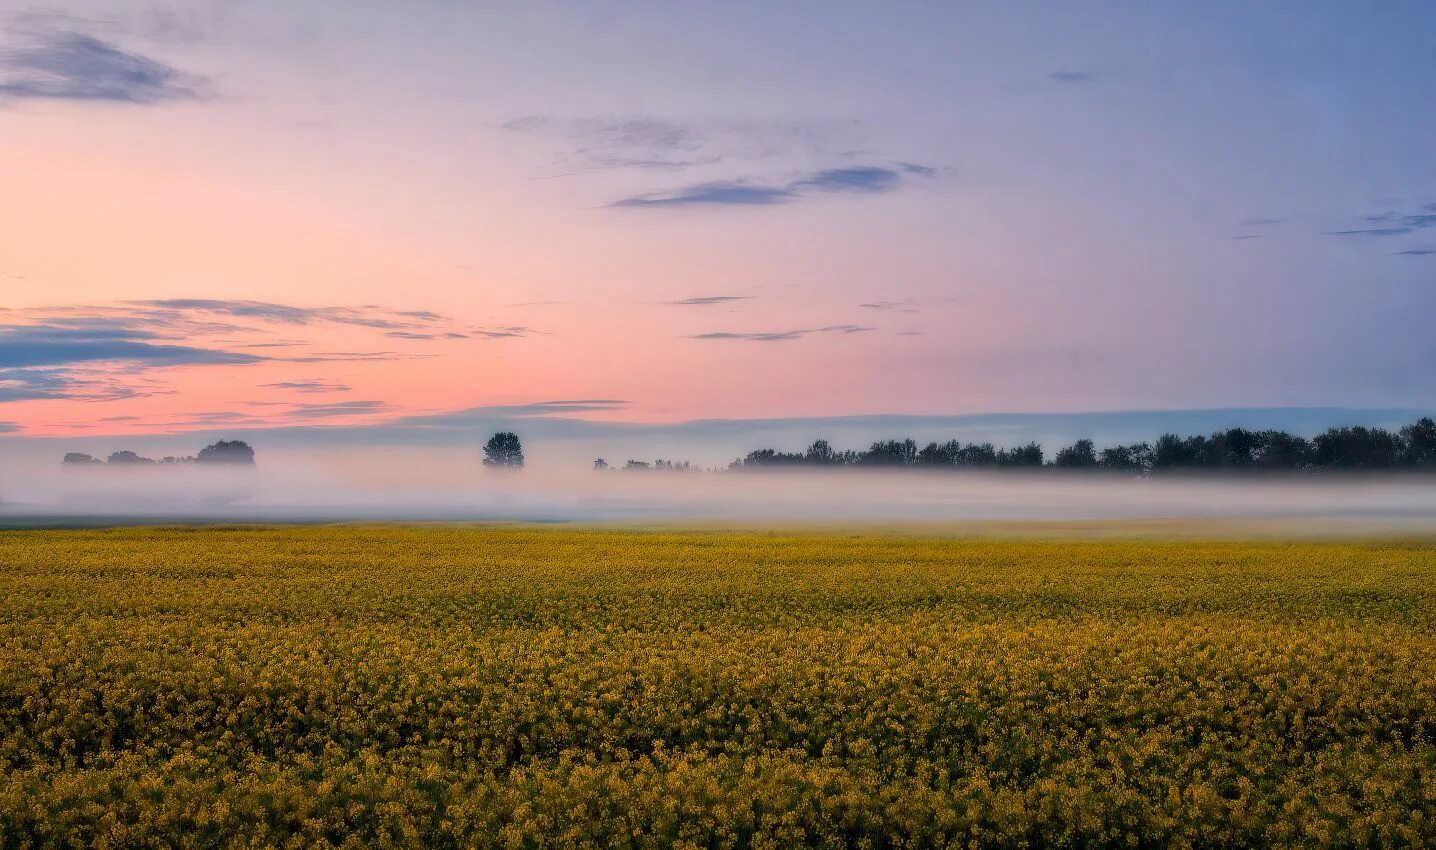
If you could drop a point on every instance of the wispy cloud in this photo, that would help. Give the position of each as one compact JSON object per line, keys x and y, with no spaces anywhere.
{"x":349,"y":357}
{"x":69,"y":382}
{"x":856,"y":179}
{"x":633,"y":141}
{"x":1371,"y":231}
{"x":63,"y":64}
{"x":335,"y":409}
{"x":309,"y":386}
{"x":1260,"y":222}
{"x":32,"y":384}
{"x":122,"y":350}
{"x":1070,"y":76}
{"x":366,"y":316}
{"x":1396,"y":224}
{"x":716,"y":193}
{"x":531,"y":410}
{"x":1417,"y":252}
{"x":899,"y":306}
{"x":781,"y":336}
{"x":215,"y":419}
{"x":706,"y":300}
{"x":648,"y":142}
{"x":860,"y":178}
{"x":417,"y":335}
{"x":506,"y":332}
{"x":9,"y":427}
{"x":52,"y":345}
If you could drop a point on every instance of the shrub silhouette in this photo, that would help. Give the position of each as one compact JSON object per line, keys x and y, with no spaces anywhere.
{"x":227,"y":451}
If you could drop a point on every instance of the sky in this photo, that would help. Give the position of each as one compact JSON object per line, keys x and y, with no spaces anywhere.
{"x":223,"y":217}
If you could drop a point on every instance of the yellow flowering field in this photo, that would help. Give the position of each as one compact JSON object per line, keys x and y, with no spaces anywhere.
{"x":446,"y":686}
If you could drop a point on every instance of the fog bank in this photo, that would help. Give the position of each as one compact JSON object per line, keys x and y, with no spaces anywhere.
{"x":418,"y":485}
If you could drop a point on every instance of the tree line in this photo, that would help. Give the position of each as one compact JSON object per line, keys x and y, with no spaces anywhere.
{"x":222,"y":452}
{"x":1354,"y":447}
{"x":659,"y":465}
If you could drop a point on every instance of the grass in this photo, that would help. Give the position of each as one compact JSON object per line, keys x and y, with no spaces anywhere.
{"x":443,"y":686}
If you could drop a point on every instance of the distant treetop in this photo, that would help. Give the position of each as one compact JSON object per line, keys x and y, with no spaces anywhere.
{"x":80,"y":458}
{"x":128,"y":457}
{"x":227,"y":451}
{"x":224,"y":451}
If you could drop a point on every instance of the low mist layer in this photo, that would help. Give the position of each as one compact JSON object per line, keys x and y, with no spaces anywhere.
{"x":415,"y":485}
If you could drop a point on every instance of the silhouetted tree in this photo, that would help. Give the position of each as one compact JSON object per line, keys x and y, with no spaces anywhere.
{"x":1028,"y":455}
{"x":1174,"y":452}
{"x":1356,"y":447}
{"x":770,"y":457}
{"x":1280,"y":450}
{"x":80,"y":458}
{"x":821,"y":454}
{"x":757,"y":457}
{"x":889,"y":453}
{"x":1080,"y":455}
{"x":226,"y":451}
{"x":977,"y":454}
{"x":600,"y":464}
{"x":124,"y":457}
{"x":1233,"y":448}
{"x":504,"y":450}
{"x":939,"y":454}
{"x":1418,"y":447}
{"x":954,"y":453}
{"x":636,"y":465}
{"x":1135,"y":458}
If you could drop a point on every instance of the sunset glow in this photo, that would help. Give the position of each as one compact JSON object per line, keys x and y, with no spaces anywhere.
{"x":243,"y":216}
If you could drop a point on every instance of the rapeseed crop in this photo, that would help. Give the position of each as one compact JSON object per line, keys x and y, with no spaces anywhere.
{"x":520,"y":687}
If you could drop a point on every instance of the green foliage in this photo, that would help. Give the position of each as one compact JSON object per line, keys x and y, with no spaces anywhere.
{"x":514,"y":687}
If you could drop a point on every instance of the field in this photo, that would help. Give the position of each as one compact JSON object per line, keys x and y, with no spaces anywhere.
{"x":547,"y":687}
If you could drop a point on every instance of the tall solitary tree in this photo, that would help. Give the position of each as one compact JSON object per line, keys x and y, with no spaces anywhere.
{"x":504,"y":450}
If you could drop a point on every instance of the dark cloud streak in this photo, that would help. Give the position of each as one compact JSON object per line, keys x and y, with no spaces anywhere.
{"x":780,"y":336}
{"x":60,"y":64}
{"x":314,"y":386}
{"x":51,"y":345}
{"x":857,"y":179}
{"x":707,"y":300}
{"x":1372,"y":232}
